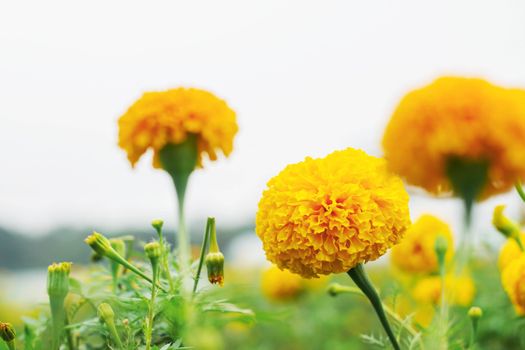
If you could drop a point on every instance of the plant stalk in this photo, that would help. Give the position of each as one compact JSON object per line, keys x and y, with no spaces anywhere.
{"x":360,"y":278}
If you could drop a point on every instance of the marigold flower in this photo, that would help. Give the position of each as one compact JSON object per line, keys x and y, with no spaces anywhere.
{"x":327,"y":215}
{"x":460,"y":118}
{"x":509,"y":252}
{"x":281,"y":285}
{"x":513,"y":280}
{"x":416,"y":253}
{"x":164,"y":117}
{"x":460,"y":290}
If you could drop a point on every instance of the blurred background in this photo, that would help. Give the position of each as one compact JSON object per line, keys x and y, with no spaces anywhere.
{"x":305,"y":77}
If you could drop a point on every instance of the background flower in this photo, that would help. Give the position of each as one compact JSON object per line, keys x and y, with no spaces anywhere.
{"x":469,"y":119}
{"x":159,"y":118}
{"x":513,"y":280}
{"x":416,"y":253}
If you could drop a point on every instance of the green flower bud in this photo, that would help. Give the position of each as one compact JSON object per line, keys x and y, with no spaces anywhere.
{"x":157,"y":225}
{"x":105,"y":312}
{"x":215,"y":265}
{"x":335,"y":289}
{"x":58,"y":279}
{"x":475,"y":312}
{"x":503,"y":224}
{"x":153,"y":251}
{"x":7,"y":332}
{"x":100,"y":244}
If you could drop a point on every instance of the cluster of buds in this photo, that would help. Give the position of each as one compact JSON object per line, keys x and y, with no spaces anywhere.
{"x":8,"y":334}
{"x":102,"y":246}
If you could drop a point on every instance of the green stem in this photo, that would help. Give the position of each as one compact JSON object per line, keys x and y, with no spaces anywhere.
{"x":70,"y":340}
{"x":135,"y":270}
{"x":164,"y":261}
{"x":209,"y":226}
{"x":358,"y":275}
{"x":151,"y":309}
{"x":520,"y":190}
{"x":58,"y":320}
{"x":181,"y":183}
{"x":11,"y":345}
{"x":114,"y":334}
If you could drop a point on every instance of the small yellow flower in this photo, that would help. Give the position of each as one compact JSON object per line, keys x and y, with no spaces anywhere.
{"x":281,"y":285}
{"x":462,"y":118}
{"x":161,"y":118}
{"x":513,"y":280}
{"x":416,"y":253}
{"x":459,"y":290}
{"x":327,"y":215}
{"x":509,"y":252}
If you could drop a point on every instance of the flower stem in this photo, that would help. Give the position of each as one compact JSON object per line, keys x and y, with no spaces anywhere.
{"x":183,"y":241}
{"x":209,"y":225}
{"x":151,"y":309}
{"x":360,"y":278}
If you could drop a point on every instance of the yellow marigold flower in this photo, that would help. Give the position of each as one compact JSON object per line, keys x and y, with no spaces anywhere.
{"x":280,"y":284}
{"x":513,"y":280}
{"x":416,"y":253}
{"x":459,"y":290}
{"x":509,"y":252}
{"x":160,"y":118}
{"x":462,"y":118}
{"x":327,"y":215}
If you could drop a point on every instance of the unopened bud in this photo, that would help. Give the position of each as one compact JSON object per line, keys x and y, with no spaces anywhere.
{"x":58,"y":279}
{"x":157,"y":225}
{"x":100,"y":244}
{"x":153,"y":251}
{"x":503,"y":224}
{"x":335,"y":289}
{"x":475,"y":312}
{"x":106,"y":313}
{"x":7,"y":332}
{"x":215,"y":266}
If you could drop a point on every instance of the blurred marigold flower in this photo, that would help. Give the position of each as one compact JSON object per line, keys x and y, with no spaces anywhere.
{"x":509,"y":252}
{"x":513,"y":280}
{"x":460,"y":290}
{"x":168,"y":117}
{"x":458,"y":118}
{"x":327,"y":215}
{"x":416,"y":253}
{"x":281,"y":285}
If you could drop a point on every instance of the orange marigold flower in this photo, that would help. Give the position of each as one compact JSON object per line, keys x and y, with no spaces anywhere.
{"x":160,"y":118}
{"x":327,"y":215}
{"x":458,"y":118}
{"x":416,"y":253}
{"x":513,"y":280}
{"x":460,"y":290}
{"x":509,"y":252}
{"x":280,"y":284}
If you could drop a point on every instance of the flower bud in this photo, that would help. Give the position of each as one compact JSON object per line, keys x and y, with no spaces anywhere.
{"x":100,"y":244}
{"x":7,"y":332}
{"x":157,"y":225}
{"x":215,"y":265}
{"x":58,"y":279}
{"x":106,"y":313}
{"x":153,"y":251}
{"x":335,"y":289}
{"x":475,"y":312}
{"x":503,"y":224}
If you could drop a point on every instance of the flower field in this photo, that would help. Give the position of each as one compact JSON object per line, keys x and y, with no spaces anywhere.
{"x":348,"y":246}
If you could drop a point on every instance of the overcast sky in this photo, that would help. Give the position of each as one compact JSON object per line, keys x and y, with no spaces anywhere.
{"x":305,"y":78}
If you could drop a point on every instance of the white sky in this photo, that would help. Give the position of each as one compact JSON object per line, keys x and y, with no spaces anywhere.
{"x":305,"y":77}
